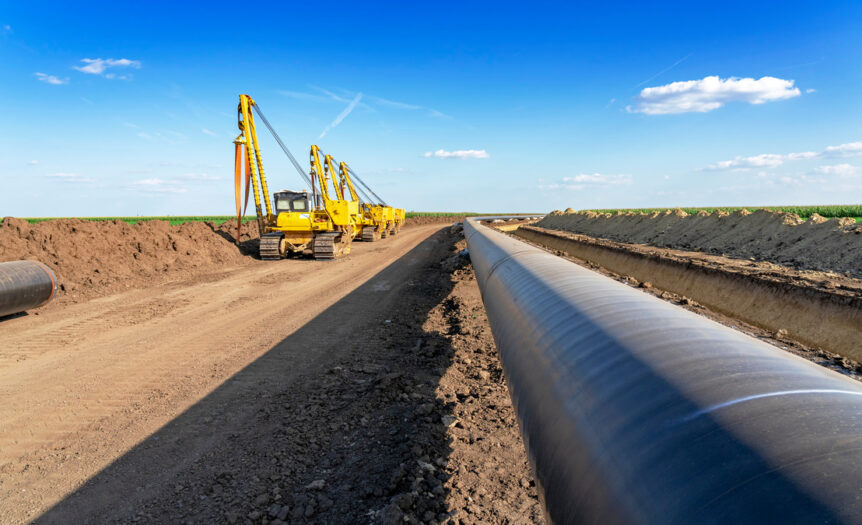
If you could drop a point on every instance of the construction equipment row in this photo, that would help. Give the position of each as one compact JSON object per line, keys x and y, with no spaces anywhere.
{"x":324,"y":221}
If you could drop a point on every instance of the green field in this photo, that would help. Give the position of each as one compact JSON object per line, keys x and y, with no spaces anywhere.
{"x":836,"y":210}
{"x":173,"y":219}
{"x":219,"y":219}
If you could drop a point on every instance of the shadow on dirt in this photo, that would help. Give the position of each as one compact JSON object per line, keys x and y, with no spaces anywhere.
{"x":338,"y":423}
{"x":13,"y":316}
{"x":247,"y":246}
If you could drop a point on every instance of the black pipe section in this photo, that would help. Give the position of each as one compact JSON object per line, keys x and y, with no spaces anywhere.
{"x":634,"y":410}
{"x":25,"y":285}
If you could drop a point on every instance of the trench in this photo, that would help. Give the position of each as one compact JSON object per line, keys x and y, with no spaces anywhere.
{"x":827,"y":319}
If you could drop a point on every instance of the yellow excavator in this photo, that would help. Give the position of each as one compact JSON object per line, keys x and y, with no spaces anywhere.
{"x":299,"y":221}
{"x":378,"y":220}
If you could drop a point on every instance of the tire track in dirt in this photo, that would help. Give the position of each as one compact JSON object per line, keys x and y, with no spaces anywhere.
{"x":85,"y":383}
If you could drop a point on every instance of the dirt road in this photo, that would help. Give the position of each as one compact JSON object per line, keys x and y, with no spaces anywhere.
{"x":160,"y":404}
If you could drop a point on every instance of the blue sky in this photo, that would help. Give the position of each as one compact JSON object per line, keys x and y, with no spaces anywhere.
{"x":117,"y":110}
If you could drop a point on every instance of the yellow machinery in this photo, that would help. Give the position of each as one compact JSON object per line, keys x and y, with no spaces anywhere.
{"x":322,"y":222}
{"x":371,"y":221}
{"x":378,"y":220}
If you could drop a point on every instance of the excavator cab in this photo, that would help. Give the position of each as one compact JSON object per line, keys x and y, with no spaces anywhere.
{"x":292,"y":201}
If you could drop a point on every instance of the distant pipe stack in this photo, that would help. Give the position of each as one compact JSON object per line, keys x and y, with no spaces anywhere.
{"x":634,"y":410}
{"x":25,"y":285}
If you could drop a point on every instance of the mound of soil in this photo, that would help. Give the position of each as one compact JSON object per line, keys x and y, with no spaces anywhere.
{"x":97,"y":258}
{"x":832,"y":245}
{"x":444,"y":219}
{"x":93,"y":258}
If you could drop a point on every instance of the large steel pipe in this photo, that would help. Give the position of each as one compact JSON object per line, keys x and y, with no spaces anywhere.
{"x":25,"y":285}
{"x":636,"y":411}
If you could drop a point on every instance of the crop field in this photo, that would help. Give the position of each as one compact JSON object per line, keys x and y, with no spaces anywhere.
{"x":173,"y":219}
{"x":220,"y":219}
{"x":830,"y":210}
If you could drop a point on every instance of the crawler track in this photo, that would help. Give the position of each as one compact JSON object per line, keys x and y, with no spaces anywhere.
{"x":370,"y":234}
{"x":270,"y":244}
{"x":328,"y":246}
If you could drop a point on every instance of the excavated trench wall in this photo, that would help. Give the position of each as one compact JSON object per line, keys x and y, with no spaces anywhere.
{"x":830,"y":319}
{"x":818,"y":244}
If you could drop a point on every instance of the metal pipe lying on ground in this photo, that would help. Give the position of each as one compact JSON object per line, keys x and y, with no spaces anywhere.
{"x":635,"y":410}
{"x":25,"y":285}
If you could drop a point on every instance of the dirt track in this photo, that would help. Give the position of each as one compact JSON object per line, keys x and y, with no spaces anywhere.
{"x":301,"y":390}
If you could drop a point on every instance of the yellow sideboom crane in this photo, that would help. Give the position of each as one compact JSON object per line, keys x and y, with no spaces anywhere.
{"x":371,"y":221}
{"x":379,"y":220}
{"x":297,"y":221}
{"x":355,"y":206}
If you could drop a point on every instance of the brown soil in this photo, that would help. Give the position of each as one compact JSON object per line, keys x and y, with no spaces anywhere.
{"x":364,"y":389}
{"x":833,"y":245}
{"x":97,"y":258}
{"x":447,"y":219}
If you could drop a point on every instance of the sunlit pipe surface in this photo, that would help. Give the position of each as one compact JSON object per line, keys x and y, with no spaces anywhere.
{"x":25,"y":285}
{"x":637,"y":411}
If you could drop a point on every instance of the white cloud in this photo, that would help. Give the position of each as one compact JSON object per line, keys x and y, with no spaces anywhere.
{"x":51,"y":79}
{"x":588,"y":180}
{"x":458,"y":154}
{"x":72,"y":178}
{"x":711,"y":93}
{"x":842,"y":170}
{"x":765,"y":160}
{"x":156,"y":185}
{"x":199,"y":176}
{"x":773,"y":160}
{"x":205,"y":131}
{"x":97,"y":66}
{"x":809,"y":91}
{"x":32,"y":162}
{"x":341,"y":116}
{"x":599,"y":179}
{"x":851,"y":149}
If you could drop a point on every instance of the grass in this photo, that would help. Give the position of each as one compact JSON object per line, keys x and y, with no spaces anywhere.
{"x":457,"y":214}
{"x":836,"y":210}
{"x":219,"y":219}
{"x":173,"y":219}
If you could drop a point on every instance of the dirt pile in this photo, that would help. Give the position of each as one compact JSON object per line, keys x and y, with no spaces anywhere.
{"x":820,"y":244}
{"x":96,"y":258}
{"x":443,"y":219}
{"x":93,"y":258}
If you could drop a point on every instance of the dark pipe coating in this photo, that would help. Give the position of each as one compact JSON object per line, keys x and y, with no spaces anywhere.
{"x":634,"y":410}
{"x":25,"y":285}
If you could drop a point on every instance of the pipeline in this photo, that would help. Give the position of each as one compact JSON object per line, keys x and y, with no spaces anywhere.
{"x":25,"y":285}
{"x":634,"y":410}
